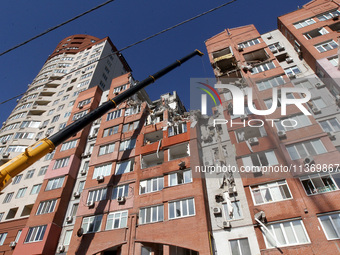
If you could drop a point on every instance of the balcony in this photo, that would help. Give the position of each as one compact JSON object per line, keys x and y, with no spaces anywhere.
{"x":224,"y":60}
{"x":153,"y":137}
{"x":153,"y":159}
{"x":256,"y":57}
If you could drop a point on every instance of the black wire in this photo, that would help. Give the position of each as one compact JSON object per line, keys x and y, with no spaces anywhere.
{"x":140,"y":41}
{"x":55,"y":27}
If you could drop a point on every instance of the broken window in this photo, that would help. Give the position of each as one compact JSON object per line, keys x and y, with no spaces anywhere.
{"x":179,"y":151}
{"x":178,"y":128}
{"x":315,"y":33}
{"x":153,"y":159}
{"x":153,"y":137}
{"x":246,"y":133}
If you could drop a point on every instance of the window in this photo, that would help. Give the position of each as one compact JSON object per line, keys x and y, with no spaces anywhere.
{"x":328,"y":15}
{"x":267,"y":158}
{"x":2,"y":238}
{"x":84,"y":102}
{"x":243,"y":134}
{"x":334,"y":61}
{"x":116,"y":220}
{"x":114,"y":115}
{"x":62,"y":125}
{"x":55,"y":183}
{"x":315,"y":33}
{"x":55,"y":118}
{"x":180,"y":177}
{"x":21,"y":192}
{"x":240,"y":247}
{"x":132,"y":110}
{"x":130,"y":126}
{"x":120,"y":88}
{"x":59,"y":163}
{"x":300,"y":121}
{"x":179,"y":151}
{"x":67,"y":237}
{"x":127,"y":144}
{"x":46,"y":206}
{"x":330,"y":125}
{"x":1,"y":215}
{"x":104,"y":170}
{"x":35,"y":189}
{"x":18,"y":236}
{"x":16,"y":148}
{"x":35,"y":234}
{"x":151,"y":214}
{"x":8,"y":197}
{"x":50,"y":112}
{"x":318,"y":102}
{"x":233,"y":210}
{"x":106,"y":149}
{"x":78,"y":115}
{"x":24,"y":135}
{"x":304,"y":149}
{"x":110,"y":131}
{"x":151,"y":185}
{"x":32,"y":124}
{"x":68,"y":145}
{"x":270,"y":192}
{"x":97,"y":195}
{"x":17,"y":179}
{"x":320,"y":182}
{"x":294,"y":70}
{"x":177,"y":129}
{"x":331,"y":225}
{"x":286,"y":233}
{"x":124,"y":167}
{"x":249,"y":43}
{"x":326,"y":46}
{"x":270,"y":83}
{"x":42,"y":170}
{"x":81,"y":186}
{"x":262,"y":68}
{"x":304,"y":23}
{"x":181,"y":208}
{"x":304,"y":84}
{"x":92,"y":224}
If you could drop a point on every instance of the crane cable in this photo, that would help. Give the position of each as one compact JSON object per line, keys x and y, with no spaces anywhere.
{"x":140,"y":41}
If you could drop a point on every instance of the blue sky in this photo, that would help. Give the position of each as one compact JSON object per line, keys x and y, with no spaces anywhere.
{"x":125,"y":22}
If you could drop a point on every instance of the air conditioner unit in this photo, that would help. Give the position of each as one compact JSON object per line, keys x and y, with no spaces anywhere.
{"x":253,"y":141}
{"x":76,"y":194}
{"x":61,"y":248}
{"x":217,"y":210}
{"x":281,"y":48}
{"x":281,"y":134}
{"x":37,"y":138}
{"x":274,"y":50}
{"x":319,"y":85}
{"x":289,"y":60}
{"x":83,"y":172}
{"x":96,"y":122}
{"x":5,"y":154}
{"x":84,"y":154}
{"x":269,"y":37}
{"x":90,"y":203}
{"x":100,"y":178}
{"x":331,"y":136}
{"x":121,"y":199}
{"x":239,"y":48}
{"x":232,"y":190}
{"x":12,"y":244}
{"x":308,"y":160}
{"x":4,"y":141}
{"x":244,"y":117}
{"x":80,"y":107}
{"x":69,"y":219}
{"x":226,"y":224}
{"x":316,"y":110}
{"x":83,"y":71}
{"x":291,"y":76}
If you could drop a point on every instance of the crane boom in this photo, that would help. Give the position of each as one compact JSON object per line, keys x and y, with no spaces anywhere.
{"x":46,"y":145}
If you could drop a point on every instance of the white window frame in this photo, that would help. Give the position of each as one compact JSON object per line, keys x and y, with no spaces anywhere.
{"x":337,"y":231}
{"x":120,"y":191}
{"x":304,"y":23}
{"x":268,"y":187}
{"x":174,"y":180}
{"x":149,"y":185}
{"x":102,"y":170}
{"x":94,"y":222}
{"x":47,"y":206}
{"x":35,"y":234}
{"x":318,"y":179}
{"x":157,"y":210}
{"x":182,"y":201}
{"x":55,"y":183}
{"x":305,"y":149}
{"x":323,"y":47}
{"x":249,"y":43}
{"x":128,"y":168}
{"x":263,"y":67}
{"x":327,"y":121}
{"x":97,"y":195}
{"x":106,"y":149}
{"x":121,"y":216}
{"x":60,"y":163}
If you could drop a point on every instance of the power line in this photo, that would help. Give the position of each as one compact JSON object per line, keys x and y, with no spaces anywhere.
{"x":140,"y":41}
{"x":55,"y":27}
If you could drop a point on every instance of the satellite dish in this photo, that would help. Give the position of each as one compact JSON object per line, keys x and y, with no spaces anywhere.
{"x":80,"y":232}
